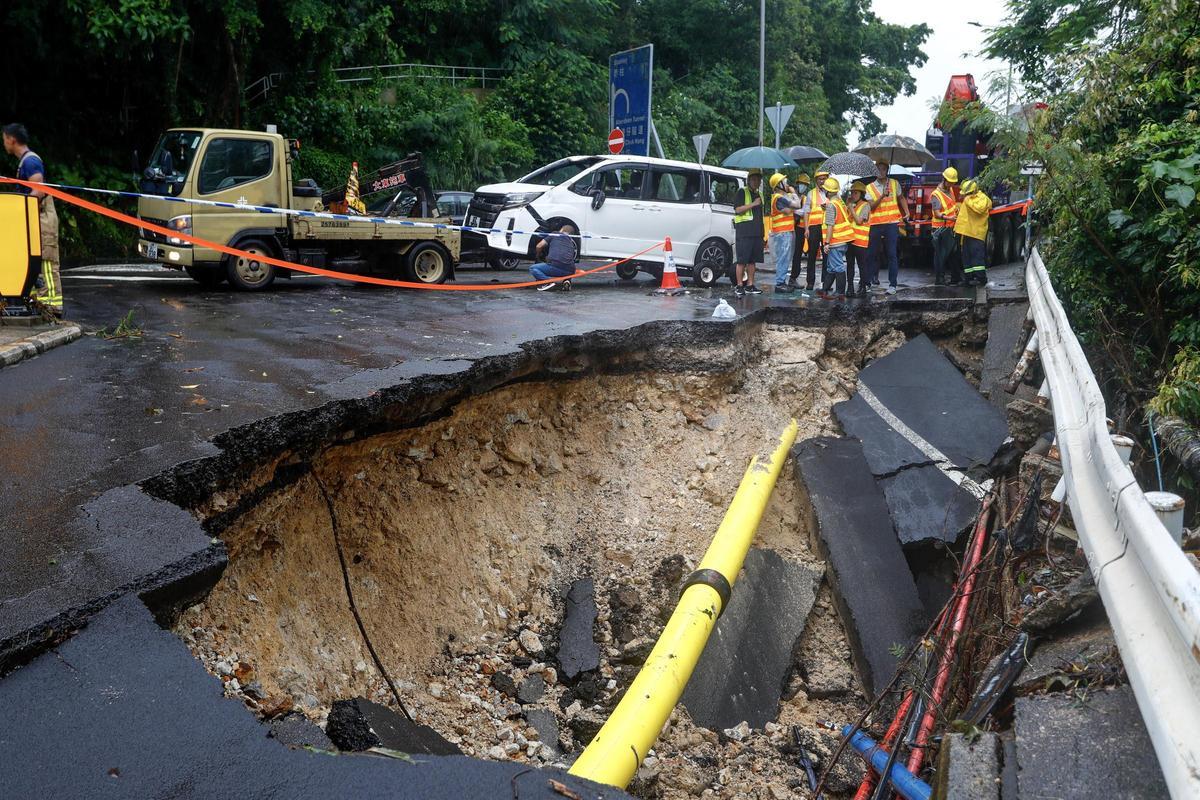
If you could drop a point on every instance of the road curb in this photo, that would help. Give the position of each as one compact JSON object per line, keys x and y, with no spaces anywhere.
{"x":38,"y":343}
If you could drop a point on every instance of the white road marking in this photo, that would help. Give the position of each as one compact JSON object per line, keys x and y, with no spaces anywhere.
{"x":134,"y":278}
{"x":916,"y":440}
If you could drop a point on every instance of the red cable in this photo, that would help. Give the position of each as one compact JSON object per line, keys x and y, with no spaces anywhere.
{"x":345,"y":276}
{"x":868,"y":782}
{"x":961,"y":607}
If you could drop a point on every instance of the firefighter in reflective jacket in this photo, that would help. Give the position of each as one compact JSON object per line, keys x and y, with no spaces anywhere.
{"x":972,"y":227}
{"x":30,"y":168}
{"x":945,"y":212}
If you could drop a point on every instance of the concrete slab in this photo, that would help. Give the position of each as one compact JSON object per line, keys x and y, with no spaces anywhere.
{"x":968,"y":770}
{"x":360,"y":724}
{"x":873,"y":589}
{"x":577,"y":648}
{"x":926,"y":505}
{"x":743,"y":669}
{"x":924,"y":390}
{"x":1005,"y":322}
{"x":1083,"y":643}
{"x":122,"y":710}
{"x":1078,"y":749}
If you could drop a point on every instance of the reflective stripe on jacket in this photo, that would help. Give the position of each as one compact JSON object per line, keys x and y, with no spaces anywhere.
{"x":887,"y":212}
{"x":843,"y":229}
{"x":948,"y":209}
{"x":816,"y":207}
{"x":748,"y":215}
{"x":781,"y":221}
{"x":862,"y":230}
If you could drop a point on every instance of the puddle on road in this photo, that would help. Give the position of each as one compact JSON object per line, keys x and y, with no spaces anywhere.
{"x":460,"y":536}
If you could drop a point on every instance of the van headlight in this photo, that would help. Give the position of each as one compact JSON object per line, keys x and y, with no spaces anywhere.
{"x":518,"y":199}
{"x":183,"y":224}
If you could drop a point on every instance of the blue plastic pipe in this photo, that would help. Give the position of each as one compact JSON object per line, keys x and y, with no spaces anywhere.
{"x":908,"y":785}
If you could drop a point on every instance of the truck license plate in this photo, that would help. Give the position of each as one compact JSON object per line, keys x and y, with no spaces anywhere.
{"x":152,"y":251}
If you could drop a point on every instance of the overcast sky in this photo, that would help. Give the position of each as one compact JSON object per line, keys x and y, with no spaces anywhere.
{"x":951,"y":38}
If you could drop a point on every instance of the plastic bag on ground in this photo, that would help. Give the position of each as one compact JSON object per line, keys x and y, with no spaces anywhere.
{"x":724,"y":311}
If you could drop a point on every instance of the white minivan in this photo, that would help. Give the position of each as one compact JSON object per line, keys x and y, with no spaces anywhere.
{"x":623,"y":204}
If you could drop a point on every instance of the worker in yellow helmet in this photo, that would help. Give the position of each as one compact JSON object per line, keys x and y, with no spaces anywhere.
{"x":945,"y":212}
{"x":782,"y":225}
{"x":972,"y":227}
{"x":814,"y":223}
{"x":837,"y":234}
{"x":889,"y":208}
{"x":856,"y":253}
{"x":803,"y":182}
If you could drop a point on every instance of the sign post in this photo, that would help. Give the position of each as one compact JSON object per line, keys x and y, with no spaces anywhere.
{"x":630,"y":86}
{"x":778,"y":115}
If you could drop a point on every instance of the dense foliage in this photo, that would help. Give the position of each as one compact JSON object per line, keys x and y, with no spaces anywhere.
{"x":96,"y":79}
{"x":1120,"y":142}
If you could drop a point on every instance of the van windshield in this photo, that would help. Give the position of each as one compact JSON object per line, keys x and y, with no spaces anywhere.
{"x":170,"y":163}
{"x":562,"y":171}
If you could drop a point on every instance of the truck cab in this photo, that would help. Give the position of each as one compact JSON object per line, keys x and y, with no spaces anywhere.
{"x":238,"y":167}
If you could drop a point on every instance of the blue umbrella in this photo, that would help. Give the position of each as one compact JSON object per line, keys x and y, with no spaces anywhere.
{"x":758,"y":158}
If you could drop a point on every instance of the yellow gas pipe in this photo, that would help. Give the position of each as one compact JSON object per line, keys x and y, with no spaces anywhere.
{"x":618,"y":749}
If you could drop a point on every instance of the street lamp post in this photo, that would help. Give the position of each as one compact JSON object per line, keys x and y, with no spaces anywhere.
{"x":762,"y":64}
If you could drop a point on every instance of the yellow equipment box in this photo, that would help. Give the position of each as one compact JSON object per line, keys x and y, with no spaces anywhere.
{"x":20,"y":246}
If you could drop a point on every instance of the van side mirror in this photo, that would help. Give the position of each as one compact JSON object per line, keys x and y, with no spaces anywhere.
{"x":597,"y":199}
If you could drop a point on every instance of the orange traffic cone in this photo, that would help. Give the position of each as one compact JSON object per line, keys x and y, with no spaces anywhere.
{"x":670,"y":278}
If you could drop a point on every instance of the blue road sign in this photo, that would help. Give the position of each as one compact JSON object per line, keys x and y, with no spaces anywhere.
{"x":630,"y":81}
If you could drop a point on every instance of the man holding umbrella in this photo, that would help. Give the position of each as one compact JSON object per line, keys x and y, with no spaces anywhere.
{"x":888,"y":208}
{"x":750,"y":234}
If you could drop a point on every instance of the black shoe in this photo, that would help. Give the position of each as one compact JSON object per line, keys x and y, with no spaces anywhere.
{"x":783,"y":288}
{"x":808,"y":288}
{"x":752,"y":289}
{"x":739,"y":290}
{"x":566,"y":285}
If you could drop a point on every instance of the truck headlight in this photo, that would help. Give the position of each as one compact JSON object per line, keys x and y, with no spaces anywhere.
{"x":518,"y":199}
{"x":183,"y":224}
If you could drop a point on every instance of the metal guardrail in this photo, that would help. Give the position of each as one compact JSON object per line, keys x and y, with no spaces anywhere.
{"x":1150,"y":591}
{"x":481,"y":77}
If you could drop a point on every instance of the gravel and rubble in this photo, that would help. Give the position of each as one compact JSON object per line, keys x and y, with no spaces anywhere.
{"x":505,"y":502}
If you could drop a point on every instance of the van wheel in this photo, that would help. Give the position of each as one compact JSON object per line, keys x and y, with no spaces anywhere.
{"x":208,"y":277}
{"x":248,"y":273}
{"x":427,"y":262}
{"x":712,"y":257}
{"x":627,"y":271}
{"x":504,"y":262}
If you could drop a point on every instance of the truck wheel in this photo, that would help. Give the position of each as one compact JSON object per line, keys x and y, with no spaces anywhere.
{"x":427,"y":262}
{"x":627,"y":271}
{"x":207,"y":277}
{"x":713,"y":260}
{"x":249,"y":274}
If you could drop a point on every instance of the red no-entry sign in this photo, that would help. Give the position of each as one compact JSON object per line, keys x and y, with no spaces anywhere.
{"x":616,"y":141}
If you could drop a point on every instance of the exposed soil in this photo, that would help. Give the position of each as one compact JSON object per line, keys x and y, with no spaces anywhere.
{"x":459,"y":537}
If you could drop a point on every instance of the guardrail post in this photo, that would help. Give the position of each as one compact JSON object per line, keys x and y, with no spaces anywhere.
{"x":1169,"y":508}
{"x":1031,"y":350}
{"x":1043,"y":395}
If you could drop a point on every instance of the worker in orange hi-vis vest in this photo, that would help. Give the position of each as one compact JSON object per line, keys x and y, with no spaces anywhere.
{"x":814,"y":223}
{"x":888,"y":209}
{"x":945,"y":212}
{"x":837,"y":234}
{"x":856,"y":253}
{"x":800,"y":245}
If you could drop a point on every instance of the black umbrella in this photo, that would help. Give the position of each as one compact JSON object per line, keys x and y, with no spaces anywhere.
{"x":804,"y":154}
{"x":855,"y":164}
{"x":896,"y":149}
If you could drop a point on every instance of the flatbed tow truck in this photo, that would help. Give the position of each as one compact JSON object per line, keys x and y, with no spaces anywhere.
{"x":255,"y":168}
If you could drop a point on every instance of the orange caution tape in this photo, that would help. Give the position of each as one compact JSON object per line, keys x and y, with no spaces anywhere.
{"x":346,"y":276}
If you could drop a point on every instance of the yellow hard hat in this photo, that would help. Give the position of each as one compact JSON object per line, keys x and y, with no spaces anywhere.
{"x":831,"y":185}
{"x":777,"y":179}
{"x":822,"y":174}
{"x":950,"y":174}
{"x":858,"y":186}
{"x":754,"y":171}
{"x":803,"y":178}
{"x":970,"y":186}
